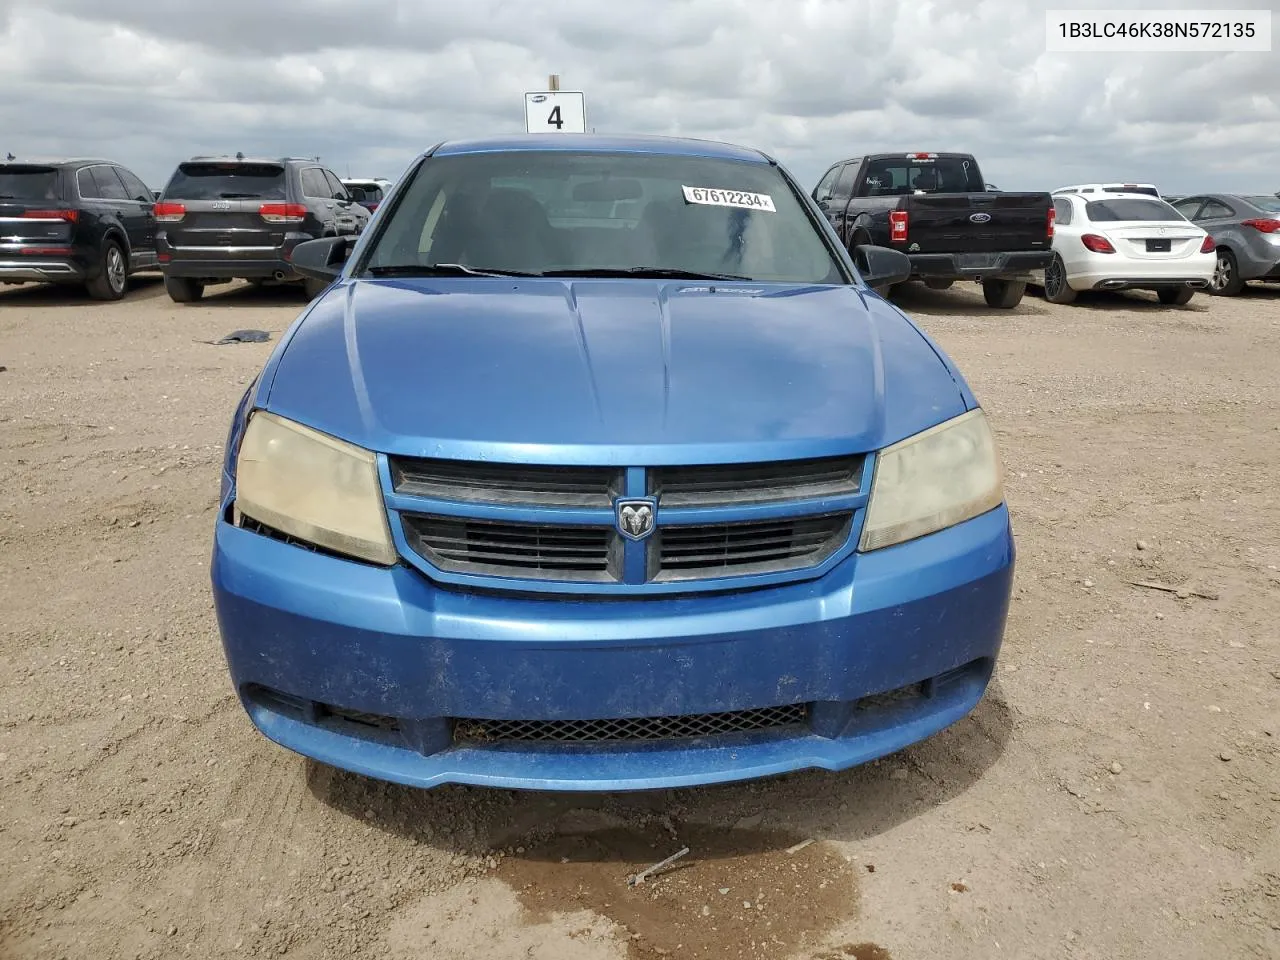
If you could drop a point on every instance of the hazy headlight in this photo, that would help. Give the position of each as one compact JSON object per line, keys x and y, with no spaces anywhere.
{"x":938,"y":478}
{"x":314,"y":487}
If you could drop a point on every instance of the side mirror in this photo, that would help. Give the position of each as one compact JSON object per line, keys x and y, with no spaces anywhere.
{"x":322,"y":259}
{"x":881,"y":266}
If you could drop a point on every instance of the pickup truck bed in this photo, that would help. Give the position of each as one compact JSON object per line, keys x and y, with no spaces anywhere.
{"x":935,"y":208}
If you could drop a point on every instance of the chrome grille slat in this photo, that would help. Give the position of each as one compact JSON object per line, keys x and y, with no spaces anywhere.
{"x":536,"y":485}
{"x":734,"y":484}
{"x":495,"y":548}
{"x":742,"y":549}
{"x":636,"y":729}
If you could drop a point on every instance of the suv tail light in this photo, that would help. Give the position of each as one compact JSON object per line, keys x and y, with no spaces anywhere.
{"x":1053,"y":218}
{"x":70,"y":216}
{"x":1263,"y":226}
{"x":1208,"y":245}
{"x":1097,"y":244}
{"x":283,"y":212}
{"x":897,"y":226}
{"x":169,"y":212}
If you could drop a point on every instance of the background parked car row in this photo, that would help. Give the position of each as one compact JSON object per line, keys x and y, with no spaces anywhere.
{"x":94,"y":223}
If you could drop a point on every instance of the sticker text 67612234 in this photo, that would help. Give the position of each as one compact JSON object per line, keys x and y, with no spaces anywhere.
{"x":716,"y":197}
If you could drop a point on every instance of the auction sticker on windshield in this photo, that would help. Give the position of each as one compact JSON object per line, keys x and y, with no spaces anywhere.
{"x":729,"y":198}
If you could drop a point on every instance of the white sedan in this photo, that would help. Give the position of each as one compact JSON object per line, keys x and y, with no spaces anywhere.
{"x":1126,"y":242}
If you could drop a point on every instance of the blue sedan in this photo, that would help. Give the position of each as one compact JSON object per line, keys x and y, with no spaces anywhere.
{"x":599,"y":466}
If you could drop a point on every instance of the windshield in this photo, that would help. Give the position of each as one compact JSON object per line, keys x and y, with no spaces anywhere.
{"x":1269,"y":204}
{"x":214,"y":181}
{"x":1108,"y":211}
{"x":564,"y":213}
{"x":28,"y":183}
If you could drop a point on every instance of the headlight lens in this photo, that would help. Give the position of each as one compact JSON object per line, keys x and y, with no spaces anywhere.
{"x":938,"y":478}
{"x":314,"y":487}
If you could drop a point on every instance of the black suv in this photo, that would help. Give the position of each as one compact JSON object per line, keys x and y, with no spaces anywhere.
{"x":226,"y":218}
{"x":80,"y":222}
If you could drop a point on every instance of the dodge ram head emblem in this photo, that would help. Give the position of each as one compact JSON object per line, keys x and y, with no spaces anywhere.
{"x":980,"y":218}
{"x":634,"y":518}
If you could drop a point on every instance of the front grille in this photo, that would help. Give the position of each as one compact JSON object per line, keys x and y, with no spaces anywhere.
{"x":533,"y":551}
{"x":470,"y":482}
{"x":745,"y":483}
{"x":741,"y":549}
{"x":630,"y":729}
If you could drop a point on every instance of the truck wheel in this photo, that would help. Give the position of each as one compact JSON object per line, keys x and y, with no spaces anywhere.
{"x":113,"y":274}
{"x":938,"y":284}
{"x":1056,"y":288}
{"x":1226,"y":280}
{"x":1175,"y":297}
{"x":183,"y":289}
{"x":1005,"y":294}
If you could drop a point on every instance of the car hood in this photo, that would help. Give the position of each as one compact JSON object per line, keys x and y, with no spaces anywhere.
{"x":609,"y":371}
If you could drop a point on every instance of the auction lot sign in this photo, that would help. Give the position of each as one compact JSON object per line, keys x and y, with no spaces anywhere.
{"x":555,"y":111}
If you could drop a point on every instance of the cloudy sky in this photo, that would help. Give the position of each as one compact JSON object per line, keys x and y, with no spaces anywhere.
{"x":367,"y":84}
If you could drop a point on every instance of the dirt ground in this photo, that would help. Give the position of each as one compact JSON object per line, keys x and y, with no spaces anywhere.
{"x":1116,"y":795}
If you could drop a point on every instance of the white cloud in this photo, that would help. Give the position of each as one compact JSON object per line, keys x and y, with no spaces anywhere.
{"x":369,"y":85}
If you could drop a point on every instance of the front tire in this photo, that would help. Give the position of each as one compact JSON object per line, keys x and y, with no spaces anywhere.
{"x":1177,"y":297}
{"x":1056,"y":288}
{"x":113,"y":275}
{"x":1003,"y":294}
{"x":183,"y":289}
{"x":1226,"y":280}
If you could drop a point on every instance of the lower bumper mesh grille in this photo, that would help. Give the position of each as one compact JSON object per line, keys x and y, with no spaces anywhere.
{"x":629,"y":729}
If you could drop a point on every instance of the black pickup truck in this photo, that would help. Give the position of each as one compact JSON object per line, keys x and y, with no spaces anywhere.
{"x":938,"y":209}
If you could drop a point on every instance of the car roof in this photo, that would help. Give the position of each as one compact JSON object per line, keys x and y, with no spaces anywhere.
{"x":55,"y":161}
{"x":600,"y":143}
{"x":1115,"y":183}
{"x":1098,"y":198}
{"x":232,"y":158}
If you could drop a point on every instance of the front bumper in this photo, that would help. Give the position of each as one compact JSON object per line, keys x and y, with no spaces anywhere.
{"x":973,"y":266}
{"x":312,"y":641}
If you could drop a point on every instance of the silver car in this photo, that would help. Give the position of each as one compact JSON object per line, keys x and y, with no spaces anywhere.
{"x":1246,"y":231}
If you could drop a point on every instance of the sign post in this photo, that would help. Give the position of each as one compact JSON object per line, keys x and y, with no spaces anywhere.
{"x":555,"y":110}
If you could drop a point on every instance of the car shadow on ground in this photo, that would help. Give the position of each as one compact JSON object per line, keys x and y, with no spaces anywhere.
{"x":241,"y":294}
{"x":1128,"y":300}
{"x":1261,"y":291}
{"x":818,"y":805}
{"x":142,"y":286}
{"x":961,"y":299}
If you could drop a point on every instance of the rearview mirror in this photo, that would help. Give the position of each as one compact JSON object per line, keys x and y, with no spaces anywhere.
{"x":609,"y":189}
{"x":881,"y":266}
{"x":322,"y":259}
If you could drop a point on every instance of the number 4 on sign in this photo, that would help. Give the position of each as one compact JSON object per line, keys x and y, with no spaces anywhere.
{"x":554,"y":120}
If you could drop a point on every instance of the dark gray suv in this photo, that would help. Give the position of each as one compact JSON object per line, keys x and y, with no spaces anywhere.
{"x":226,"y":218}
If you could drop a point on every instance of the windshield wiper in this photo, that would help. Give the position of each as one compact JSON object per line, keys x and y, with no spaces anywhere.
{"x":657,"y":273}
{"x":443,"y":270}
